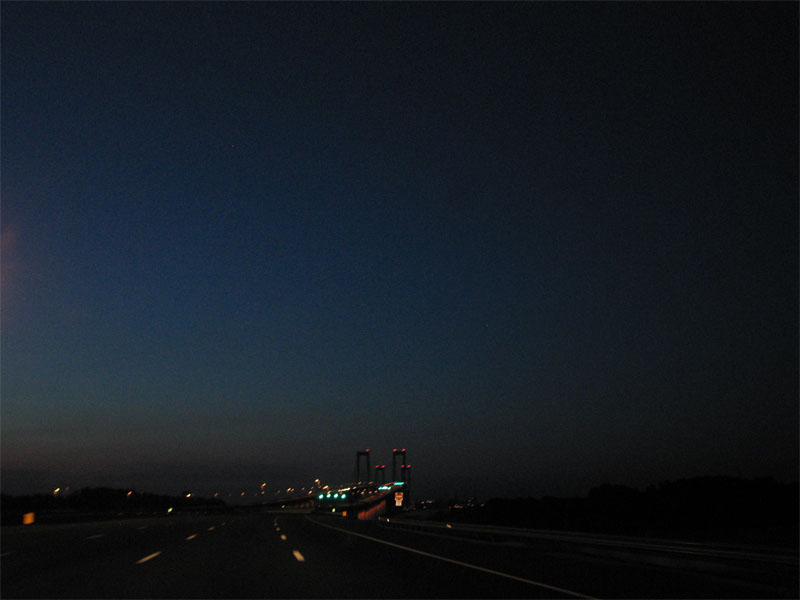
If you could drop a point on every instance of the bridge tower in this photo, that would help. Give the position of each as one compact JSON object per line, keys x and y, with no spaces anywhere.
{"x":395,"y":454}
{"x":359,"y":454}
{"x":406,"y":477}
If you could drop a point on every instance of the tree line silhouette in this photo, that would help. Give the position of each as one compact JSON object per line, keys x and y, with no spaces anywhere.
{"x":90,"y":503}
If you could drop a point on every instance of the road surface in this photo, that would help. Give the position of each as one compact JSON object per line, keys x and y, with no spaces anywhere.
{"x":313,"y":556}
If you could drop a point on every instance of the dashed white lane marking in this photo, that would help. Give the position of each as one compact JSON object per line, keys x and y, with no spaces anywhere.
{"x":298,"y":556}
{"x":148,"y":557}
{"x":283,"y":537}
{"x":457,"y":562}
{"x":211,"y":528}
{"x":191,"y":537}
{"x":94,"y":537}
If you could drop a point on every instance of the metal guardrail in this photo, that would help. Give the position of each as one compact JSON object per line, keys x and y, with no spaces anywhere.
{"x":780,"y":556}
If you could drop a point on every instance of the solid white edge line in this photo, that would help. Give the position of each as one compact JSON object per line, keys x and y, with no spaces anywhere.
{"x":298,"y":556}
{"x":458,"y":562}
{"x":148,"y":557}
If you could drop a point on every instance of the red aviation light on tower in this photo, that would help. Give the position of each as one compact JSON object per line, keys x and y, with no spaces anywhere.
{"x":394,"y":449}
{"x":403,"y":450}
{"x":367,"y":450}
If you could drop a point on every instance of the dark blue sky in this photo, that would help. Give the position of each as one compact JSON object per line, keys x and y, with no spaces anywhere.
{"x":542,"y":246}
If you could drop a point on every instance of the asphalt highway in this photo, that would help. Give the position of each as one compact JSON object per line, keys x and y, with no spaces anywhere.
{"x":312,"y":556}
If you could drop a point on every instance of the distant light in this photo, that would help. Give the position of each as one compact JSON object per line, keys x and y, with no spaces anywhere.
{"x":242,"y":494}
{"x":344,"y":496}
{"x":449,"y":526}
{"x":321,"y":496}
{"x":55,"y":491}
{"x":329,"y":495}
{"x":188,"y":494}
{"x":169,"y":510}
{"x":336,"y":495}
{"x":404,"y":449}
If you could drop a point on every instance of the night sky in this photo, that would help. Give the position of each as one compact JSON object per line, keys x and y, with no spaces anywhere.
{"x":541,"y":246}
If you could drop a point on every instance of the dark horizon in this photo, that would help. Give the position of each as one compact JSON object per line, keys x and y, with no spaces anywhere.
{"x":543,"y":246}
